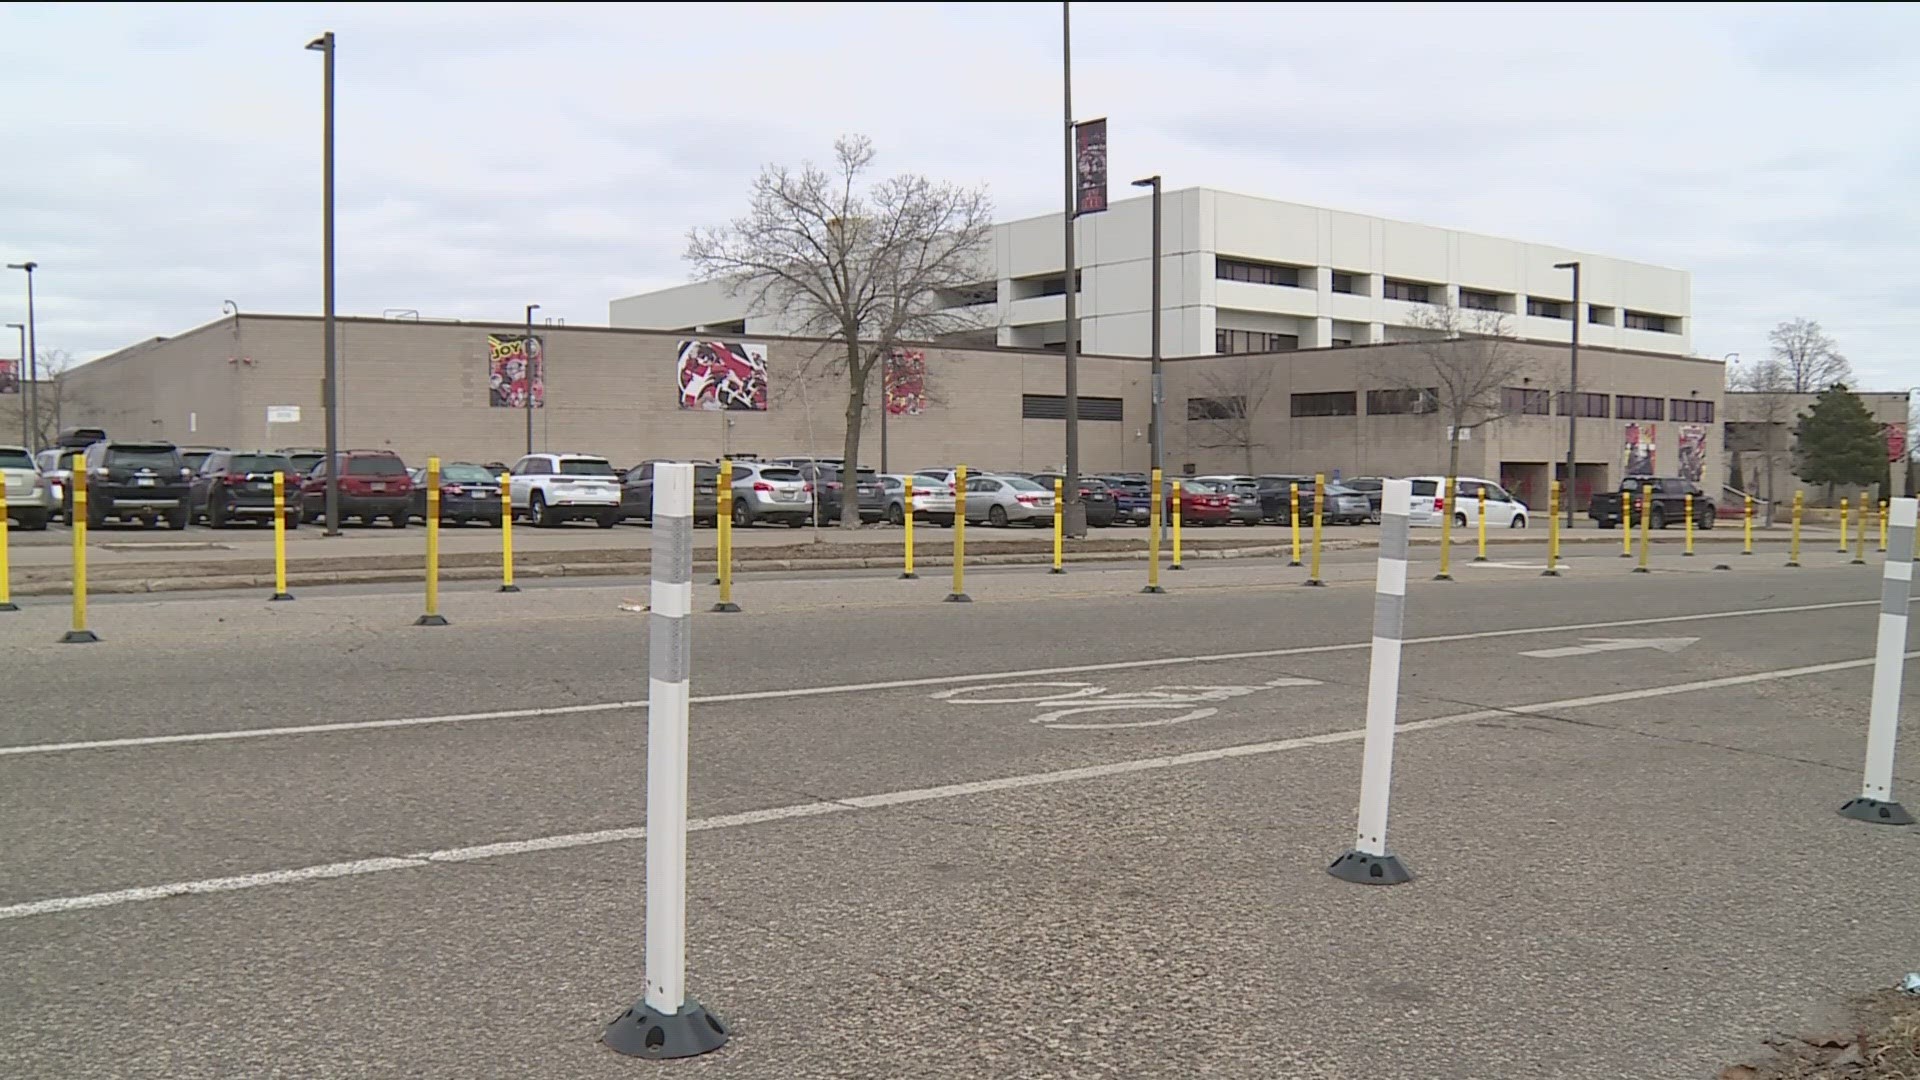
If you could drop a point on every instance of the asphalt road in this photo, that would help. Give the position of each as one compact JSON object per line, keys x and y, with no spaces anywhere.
{"x":1064,"y":831}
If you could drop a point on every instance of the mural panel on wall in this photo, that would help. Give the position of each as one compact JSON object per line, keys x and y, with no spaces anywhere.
{"x":1693,"y":453}
{"x":511,"y":375}
{"x":9,"y":376}
{"x":1639,"y":450}
{"x":722,"y":376}
{"x":904,"y":376}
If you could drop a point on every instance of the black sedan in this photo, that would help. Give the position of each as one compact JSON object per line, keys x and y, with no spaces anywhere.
{"x":1102,"y":508}
{"x":468,"y":492}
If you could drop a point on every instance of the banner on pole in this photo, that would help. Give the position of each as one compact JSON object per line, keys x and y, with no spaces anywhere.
{"x":1090,"y":167}
{"x":9,"y":376}
{"x":516,"y":368}
{"x":1638,"y":450}
{"x":904,"y":377}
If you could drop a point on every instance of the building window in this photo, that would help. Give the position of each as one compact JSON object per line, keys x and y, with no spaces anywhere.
{"x":1341,"y":343}
{"x":1627,"y":407}
{"x":1659,"y":324}
{"x":1475,"y":300}
{"x":1402,"y":402}
{"x":1410,"y":291}
{"x":1343,"y":283}
{"x":985,"y":292}
{"x":1594,"y":405}
{"x":1220,"y":408}
{"x":1253,"y":341}
{"x":1054,"y":407}
{"x":1521,"y":401}
{"x":1691,"y":411}
{"x":1336,"y":403}
{"x":1546,"y":309}
{"x":1599,"y":316}
{"x":1054,"y":285}
{"x":1256,"y":273}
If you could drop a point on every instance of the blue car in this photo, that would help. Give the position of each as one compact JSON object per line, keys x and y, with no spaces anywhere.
{"x":1132,"y":499}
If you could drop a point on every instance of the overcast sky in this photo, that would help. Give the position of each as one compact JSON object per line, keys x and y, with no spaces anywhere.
{"x":160,"y":159}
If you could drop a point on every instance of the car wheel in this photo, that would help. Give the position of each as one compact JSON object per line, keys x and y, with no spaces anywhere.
{"x":608,"y":519}
{"x":1659,"y":518}
{"x":96,"y":516}
{"x":293,"y":519}
{"x":895,"y":515}
{"x":997,"y":516}
{"x":1707,"y":520}
{"x":796,"y":523}
{"x":1459,"y":521}
{"x":1519,"y":522}
{"x":34,"y":524}
{"x":177,"y":519}
{"x":742,"y":517}
{"x":538,"y":510}
{"x":216,"y":515}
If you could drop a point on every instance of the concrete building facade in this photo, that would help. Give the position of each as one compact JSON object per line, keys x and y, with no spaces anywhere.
{"x":422,"y":388}
{"x":1247,"y":275}
{"x":1760,"y":437}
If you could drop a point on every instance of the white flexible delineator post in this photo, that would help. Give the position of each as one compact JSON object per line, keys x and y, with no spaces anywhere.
{"x":1875,"y":802}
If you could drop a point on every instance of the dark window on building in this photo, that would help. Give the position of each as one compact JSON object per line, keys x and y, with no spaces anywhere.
{"x":1627,"y":407}
{"x":1341,"y":343}
{"x":1546,"y":309}
{"x":1641,"y":320}
{"x":1334,"y":403}
{"x":1594,"y":405}
{"x":1521,"y":401}
{"x":1402,"y":402}
{"x":1476,"y":300}
{"x":1221,"y":408}
{"x":1253,"y":341}
{"x":1343,"y":282}
{"x":1256,"y":273}
{"x":1057,"y":286}
{"x":985,"y":292}
{"x":1749,"y":435}
{"x":1054,"y":407}
{"x":1411,"y":291}
{"x":1602,"y":316}
{"x":1691,"y":411}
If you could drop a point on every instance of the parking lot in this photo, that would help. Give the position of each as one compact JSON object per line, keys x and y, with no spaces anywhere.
{"x":1067,"y":830}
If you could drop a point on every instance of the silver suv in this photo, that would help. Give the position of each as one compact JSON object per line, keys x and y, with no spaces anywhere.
{"x":763,"y":491}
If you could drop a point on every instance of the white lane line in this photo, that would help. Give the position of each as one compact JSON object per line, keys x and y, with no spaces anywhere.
{"x":381,"y":864}
{"x":894,"y":684}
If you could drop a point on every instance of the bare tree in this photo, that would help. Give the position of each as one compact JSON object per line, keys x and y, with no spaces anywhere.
{"x":56,"y":395}
{"x":1466,"y":360}
{"x":1767,"y":387}
{"x":1235,"y":390}
{"x":865,"y":264}
{"x":1811,"y":360}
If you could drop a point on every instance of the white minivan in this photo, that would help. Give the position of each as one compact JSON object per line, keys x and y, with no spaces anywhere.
{"x":1430,"y":508}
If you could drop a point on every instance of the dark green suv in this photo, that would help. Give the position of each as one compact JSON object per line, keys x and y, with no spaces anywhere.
{"x":137,"y":481}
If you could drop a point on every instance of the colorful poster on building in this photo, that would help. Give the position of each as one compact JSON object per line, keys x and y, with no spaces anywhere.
{"x":904,"y":376}
{"x":722,"y":376}
{"x":1693,"y":453}
{"x":1896,"y":439}
{"x":9,"y":376}
{"x":1090,"y":167}
{"x":516,"y":367}
{"x":1639,"y":450}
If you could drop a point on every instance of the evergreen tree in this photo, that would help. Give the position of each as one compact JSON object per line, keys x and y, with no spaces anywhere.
{"x":1839,"y":442}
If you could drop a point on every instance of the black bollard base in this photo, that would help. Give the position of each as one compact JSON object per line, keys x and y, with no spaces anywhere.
{"x":1153,"y":590}
{"x":1873,"y":811}
{"x":280,"y":596}
{"x":1295,"y":562}
{"x":1443,"y":577}
{"x":1793,"y":562}
{"x":9,"y":606}
{"x":1364,"y":869}
{"x":430,"y":620}
{"x":725,"y":608}
{"x":1641,"y":570}
{"x":1314,"y":582}
{"x":958,"y":598}
{"x":1549,"y":572}
{"x":79,"y":637}
{"x":1721,"y":566}
{"x":1057,"y":570}
{"x":1176,"y":566}
{"x":1479,"y":558}
{"x":909,"y":576}
{"x":509,"y":588}
{"x":643,"y":1032}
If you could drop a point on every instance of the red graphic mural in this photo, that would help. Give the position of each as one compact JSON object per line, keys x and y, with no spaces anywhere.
{"x":512,"y":375}
{"x":905,"y":377}
{"x":722,"y":376}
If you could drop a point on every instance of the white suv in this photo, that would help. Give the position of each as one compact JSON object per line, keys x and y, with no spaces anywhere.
{"x":548,"y":489}
{"x":1429,"y":503}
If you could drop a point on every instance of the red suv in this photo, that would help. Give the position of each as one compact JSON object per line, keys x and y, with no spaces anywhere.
{"x":373,"y":484}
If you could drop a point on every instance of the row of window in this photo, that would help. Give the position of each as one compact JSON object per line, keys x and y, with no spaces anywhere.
{"x":1515,"y":401}
{"x":1257,"y":273}
{"x":1054,"y":407}
{"x":1253,"y":341}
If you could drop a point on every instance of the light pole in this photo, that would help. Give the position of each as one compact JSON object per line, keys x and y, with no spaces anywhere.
{"x":1573,"y":391}
{"x":1075,"y":523}
{"x":31,"y":399}
{"x":20,"y":373}
{"x":330,"y":385}
{"x":526,"y":357}
{"x":1157,"y":419}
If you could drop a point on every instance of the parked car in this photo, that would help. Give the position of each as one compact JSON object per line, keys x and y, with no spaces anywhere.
{"x":1276,"y":498}
{"x":373,"y":484}
{"x":1667,"y":496}
{"x":1202,"y":502}
{"x":763,"y":491}
{"x":827,"y":479}
{"x":30,"y":501}
{"x":636,"y":492}
{"x":1132,"y":499}
{"x":939,"y":502}
{"x":1006,"y":500}
{"x":895,"y":486}
{"x":136,"y":481}
{"x":1246,"y":498}
{"x":468,"y":492}
{"x":79,"y":438}
{"x":549,"y":489}
{"x":1430,"y":504}
{"x":239,"y":484}
{"x":196,"y":456}
{"x":53,"y":464}
{"x":304,"y":458}
{"x":1102,"y":510}
{"x":1346,"y":506}
{"x":1373,"y":487}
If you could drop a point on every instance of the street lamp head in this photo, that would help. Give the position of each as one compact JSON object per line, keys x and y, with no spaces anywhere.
{"x":1151,"y":181}
{"x":1575,"y":265}
{"x":29,"y":267}
{"x":322,"y":43}
{"x":16,"y":326}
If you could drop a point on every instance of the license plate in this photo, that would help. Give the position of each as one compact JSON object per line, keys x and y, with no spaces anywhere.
{"x":260,"y":486}
{"x":143,"y":481}
{"x":787,"y":496}
{"x":376,"y":487}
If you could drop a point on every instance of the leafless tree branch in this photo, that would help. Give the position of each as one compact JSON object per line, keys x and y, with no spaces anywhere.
{"x":1235,"y":392}
{"x":1467,"y":359}
{"x":1809,"y":357}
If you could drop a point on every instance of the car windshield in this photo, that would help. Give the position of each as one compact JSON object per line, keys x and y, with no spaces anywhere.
{"x":1021,"y":483}
{"x":585,"y":466}
{"x":706,"y":474}
{"x":466,"y":474}
{"x":376,"y":465}
{"x":265,"y":463}
{"x":781,"y":476}
{"x":15,"y":459}
{"x":1203,"y":487}
{"x":1340,"y":489}
{"x":143,"y":457}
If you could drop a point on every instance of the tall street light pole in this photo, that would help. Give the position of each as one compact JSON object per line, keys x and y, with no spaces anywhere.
{"x":19,"y":373}
{"x":1076,"y":512}
{"x":526,"y":355}
{"x":1573,"y":390}
{"x":330,"y":386}
{"x":32,"y":397}
{"x":1157,"y":420}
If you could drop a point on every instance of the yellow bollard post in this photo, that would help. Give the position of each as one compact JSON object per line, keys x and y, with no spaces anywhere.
{"x":1746,"y":525}
{"x":1553,"y":530}
{"x":959,"y":593}
{"x":1859,"y":532}
{"x":1843,"y":525}
{"x":1293,"y":518}
{"x":1319,"y":523}
{"x":1626,"y":523}
{"x":6,"y":573}
{"x":280,"y":538}
{"x":723,"y":535}
{"x":506,"y":534}
{"x":1481,"y":554}
{"x":1176,"y":528}
{"x":1646,"y":530}
{"x":1883,"y":525}
{"x":1446,"y":531}
{"x":906,"y":516}
{"x":433,"y":616}
{"x":1793,"y":548}
{"x":1687,"y":551}
{"x":79,"y":634}
{"x":1153,"y":537}
{"x":1059,"y":518}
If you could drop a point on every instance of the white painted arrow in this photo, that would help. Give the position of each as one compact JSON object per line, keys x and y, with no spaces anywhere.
{"x":1600,"y":645}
